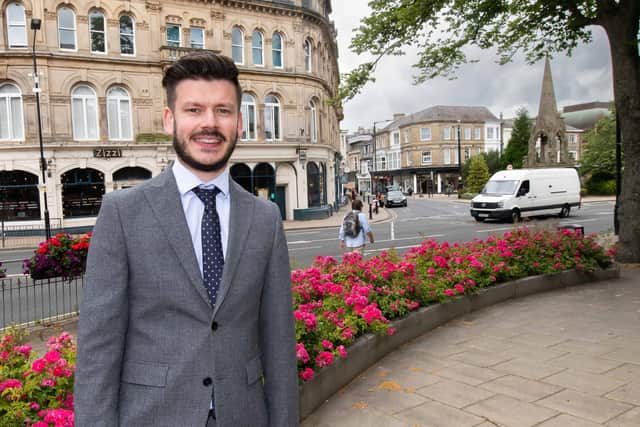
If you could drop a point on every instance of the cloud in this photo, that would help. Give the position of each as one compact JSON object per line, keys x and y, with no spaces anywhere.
{"x":583,"y":77}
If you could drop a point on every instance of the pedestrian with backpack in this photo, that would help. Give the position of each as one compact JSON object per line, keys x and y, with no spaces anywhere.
{"x":354,"y":229}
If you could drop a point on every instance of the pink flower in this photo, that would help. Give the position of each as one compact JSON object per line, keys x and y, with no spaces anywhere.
{"x":327,"y":344}
{"x":306,"y":374}
{"x":391,"y":331}
{"x":449,"y":292}
{"x":34,"y":406}
{"x":342,"y":351}
{"x":52,"y":356}
{"x":48,"y":382}
{"x":347,"y":334}
{"x":38,"y":365}
{"x":301,"y":353}
{"x":459,"y":288}
{"x":325,"y":358}
{"x":10,"y":383}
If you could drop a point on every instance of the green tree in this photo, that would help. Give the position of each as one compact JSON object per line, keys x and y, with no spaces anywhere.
{"x":598,"y":162}
{"x":493,"y":161}
{"x":478,"y":174}
{"x":518,"y":145}
{"x":441,"y":29}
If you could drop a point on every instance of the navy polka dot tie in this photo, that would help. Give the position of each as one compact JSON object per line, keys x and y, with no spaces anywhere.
{"x":212,"y":257}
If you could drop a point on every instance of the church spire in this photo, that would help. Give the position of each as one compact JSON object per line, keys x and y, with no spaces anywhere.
{"x":548,"y":104}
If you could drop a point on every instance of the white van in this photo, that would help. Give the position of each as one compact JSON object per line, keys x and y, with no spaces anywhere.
{"x":512,"y":194}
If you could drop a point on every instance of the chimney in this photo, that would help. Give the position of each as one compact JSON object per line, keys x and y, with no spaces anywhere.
{"x":396,"y":116}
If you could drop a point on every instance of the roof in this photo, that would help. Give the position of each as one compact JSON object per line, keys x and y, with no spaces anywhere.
{"x":445,"y":113}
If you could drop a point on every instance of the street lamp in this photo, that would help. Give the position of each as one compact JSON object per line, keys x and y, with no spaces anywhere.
{"x":501,"y":137}
{"x":616,"y":221}
{"x":35,"y":26}
{"x":460,"y":184}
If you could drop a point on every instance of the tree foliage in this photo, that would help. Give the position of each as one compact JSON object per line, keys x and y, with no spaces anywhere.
{"x":518,"y":145}
{"x":494,"y":163}
{"x":599,"y":156}
{"x":478,"y":174}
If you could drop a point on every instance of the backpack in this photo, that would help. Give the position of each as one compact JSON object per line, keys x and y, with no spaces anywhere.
{"x":351,"y":224}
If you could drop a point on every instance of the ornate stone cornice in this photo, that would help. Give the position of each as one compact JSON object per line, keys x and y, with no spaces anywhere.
{"x":154,"y":6}
{"x":197,"y":22}
{"x":173,"y":19}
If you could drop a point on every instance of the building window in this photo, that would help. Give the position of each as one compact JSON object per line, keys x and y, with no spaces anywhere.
{"x":426,"y":157}
{"x":476,"y":133}
{"x":406,"y":136}
{"x":11,"y":125}
{"x":425,"y":134}
{"x":127,"y":37}
{"x":256,"y":48}
{"x":394,"y":160}
{"x":197,"y":38}
{"x":272,"y":118}
{"x":97,"y":37}
{"x":467,"y":153}
{"x":572,"y":138}
{"x":573,"y":155}
{"x":84,"y":113}
{"x":66,"y":28}
{"x":395,"y":138}
{"x":249,"y":122}
{"x":16,"y":25}
{"x":119,"y":114}
{"x":313,"y":122}
{"x":489,"y":132}
{"x":173,"y":35}
{"x":446,"y":154}
{"x":307,"y":55}
{"x":276,"y":50}
{"x":446,"y":133}
{"x":467,"y":133}
{"x":237,"y":45}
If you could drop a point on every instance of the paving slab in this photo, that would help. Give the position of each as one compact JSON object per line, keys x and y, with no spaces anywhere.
{"x":593,"y":384}
{"x":521,"y":388}
{"x":628,"y":393}
{"x":627,"y":371}
{"x":564,"y":420}
{"x":593,"y":364}
{"x":590,"y":348}
{"x":510,"y":412}
{"x":434,"y":414}
{"x":454,"y":394}
{"x":581,"y":405}
{"x":528,"y":369}
{"x":628,"y":419}
{"x":467,"y":374}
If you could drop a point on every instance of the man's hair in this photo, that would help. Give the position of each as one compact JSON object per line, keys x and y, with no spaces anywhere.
{"x":200,"y":66}
{"x":356,"y":205}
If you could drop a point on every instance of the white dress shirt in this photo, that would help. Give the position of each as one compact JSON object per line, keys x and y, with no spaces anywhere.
{"x":194,"y":207}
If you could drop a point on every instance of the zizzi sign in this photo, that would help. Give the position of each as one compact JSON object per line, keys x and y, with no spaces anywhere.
{"x":107,"y":153}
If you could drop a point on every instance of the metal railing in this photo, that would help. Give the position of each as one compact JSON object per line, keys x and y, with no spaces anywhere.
{"x":28,"y":302}
{"x":25,"y":236}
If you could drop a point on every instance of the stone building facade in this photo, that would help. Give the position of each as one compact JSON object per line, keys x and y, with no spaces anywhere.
{"x":100,"y":68}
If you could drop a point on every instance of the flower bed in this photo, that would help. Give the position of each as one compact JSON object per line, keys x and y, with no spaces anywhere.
{"x":337,"y":302}
{"x":334,"y":304}
{"x":34,"y":391}
{"x":60,"y":256}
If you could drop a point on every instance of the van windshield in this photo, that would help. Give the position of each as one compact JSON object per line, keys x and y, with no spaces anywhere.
{"x":500,"y":187}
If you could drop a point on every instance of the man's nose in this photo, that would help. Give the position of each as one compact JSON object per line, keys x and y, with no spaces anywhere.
{"x":209,"y":118}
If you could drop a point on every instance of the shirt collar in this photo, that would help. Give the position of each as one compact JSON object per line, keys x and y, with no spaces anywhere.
{"x":187,"y":180}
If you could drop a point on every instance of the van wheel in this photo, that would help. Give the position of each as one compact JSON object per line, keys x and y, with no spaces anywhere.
{"x":515,"y":216}
{"x":564,"y":212}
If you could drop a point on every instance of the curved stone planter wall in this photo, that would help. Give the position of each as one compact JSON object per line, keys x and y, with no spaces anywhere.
{"x":370,"y":348}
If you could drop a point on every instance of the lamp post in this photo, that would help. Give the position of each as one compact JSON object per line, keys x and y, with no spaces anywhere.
{"x":616,"y":221}
{"x":460,"y":183}
{"x":35,"y":26}
{"x":501,"y":137}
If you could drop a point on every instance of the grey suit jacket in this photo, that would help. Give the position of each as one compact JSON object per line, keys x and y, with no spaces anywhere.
{"x":152,"y":351}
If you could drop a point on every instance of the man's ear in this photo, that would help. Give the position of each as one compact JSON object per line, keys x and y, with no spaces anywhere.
{"x":168,"y":120}
{"x":239,"y":130}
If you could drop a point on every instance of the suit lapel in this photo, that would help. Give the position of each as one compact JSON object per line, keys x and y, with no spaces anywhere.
{"x":164,"y":198}
{"x":240,"y":220}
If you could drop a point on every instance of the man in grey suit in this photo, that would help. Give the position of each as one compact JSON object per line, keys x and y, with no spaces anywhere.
{"x":187,"y":318}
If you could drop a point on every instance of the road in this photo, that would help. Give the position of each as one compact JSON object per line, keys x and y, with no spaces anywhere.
{"x":435,"y":219}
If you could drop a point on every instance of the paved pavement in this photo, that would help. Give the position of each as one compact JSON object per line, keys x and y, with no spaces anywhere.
{"x":558,"y":359}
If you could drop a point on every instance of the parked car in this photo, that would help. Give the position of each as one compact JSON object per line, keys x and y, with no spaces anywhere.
{"x":395,"y":198}
{"x":512,"y":194}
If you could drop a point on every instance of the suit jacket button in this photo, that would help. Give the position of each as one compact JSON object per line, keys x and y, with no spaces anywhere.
{"x":207,"y":381}
{"x":214,"y":326}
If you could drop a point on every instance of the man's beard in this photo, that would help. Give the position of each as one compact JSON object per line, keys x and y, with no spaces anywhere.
{"x":181,"y":152}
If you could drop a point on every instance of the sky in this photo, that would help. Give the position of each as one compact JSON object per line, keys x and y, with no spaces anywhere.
{"x":583,"y":77}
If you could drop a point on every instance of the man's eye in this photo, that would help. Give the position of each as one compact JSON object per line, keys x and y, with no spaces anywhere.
{"x":193,"y":110}
{"x":223,"y":111}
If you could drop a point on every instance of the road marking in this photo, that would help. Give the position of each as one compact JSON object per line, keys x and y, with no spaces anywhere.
{"x":306,"y":247}
{"x":491,"y":230}
{"x":303,"y":242}
{"x":393,"y":234}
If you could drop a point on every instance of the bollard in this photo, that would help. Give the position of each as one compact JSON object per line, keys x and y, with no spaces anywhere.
{"x":370,"y":212}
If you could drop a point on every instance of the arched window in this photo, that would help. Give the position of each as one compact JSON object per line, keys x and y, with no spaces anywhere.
{"x":127,"y":36}
{"x":84,"y":113}
{"x":307,"y":55}
{"x":256,"y":48}
{"x":97,"y":32}
{"x":82,"y":191}
{"x":237,"y":45}
{"x":66,"y":28}
{"x":119,"y":114}
{"x":16,"y":25}
{"x":276,"y":50}
{"x":313,"y":121}
{"x":272,"y":118}
{"x":11,"y":125}
{"x":19,"y":196}
{"x":248,"y":109}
